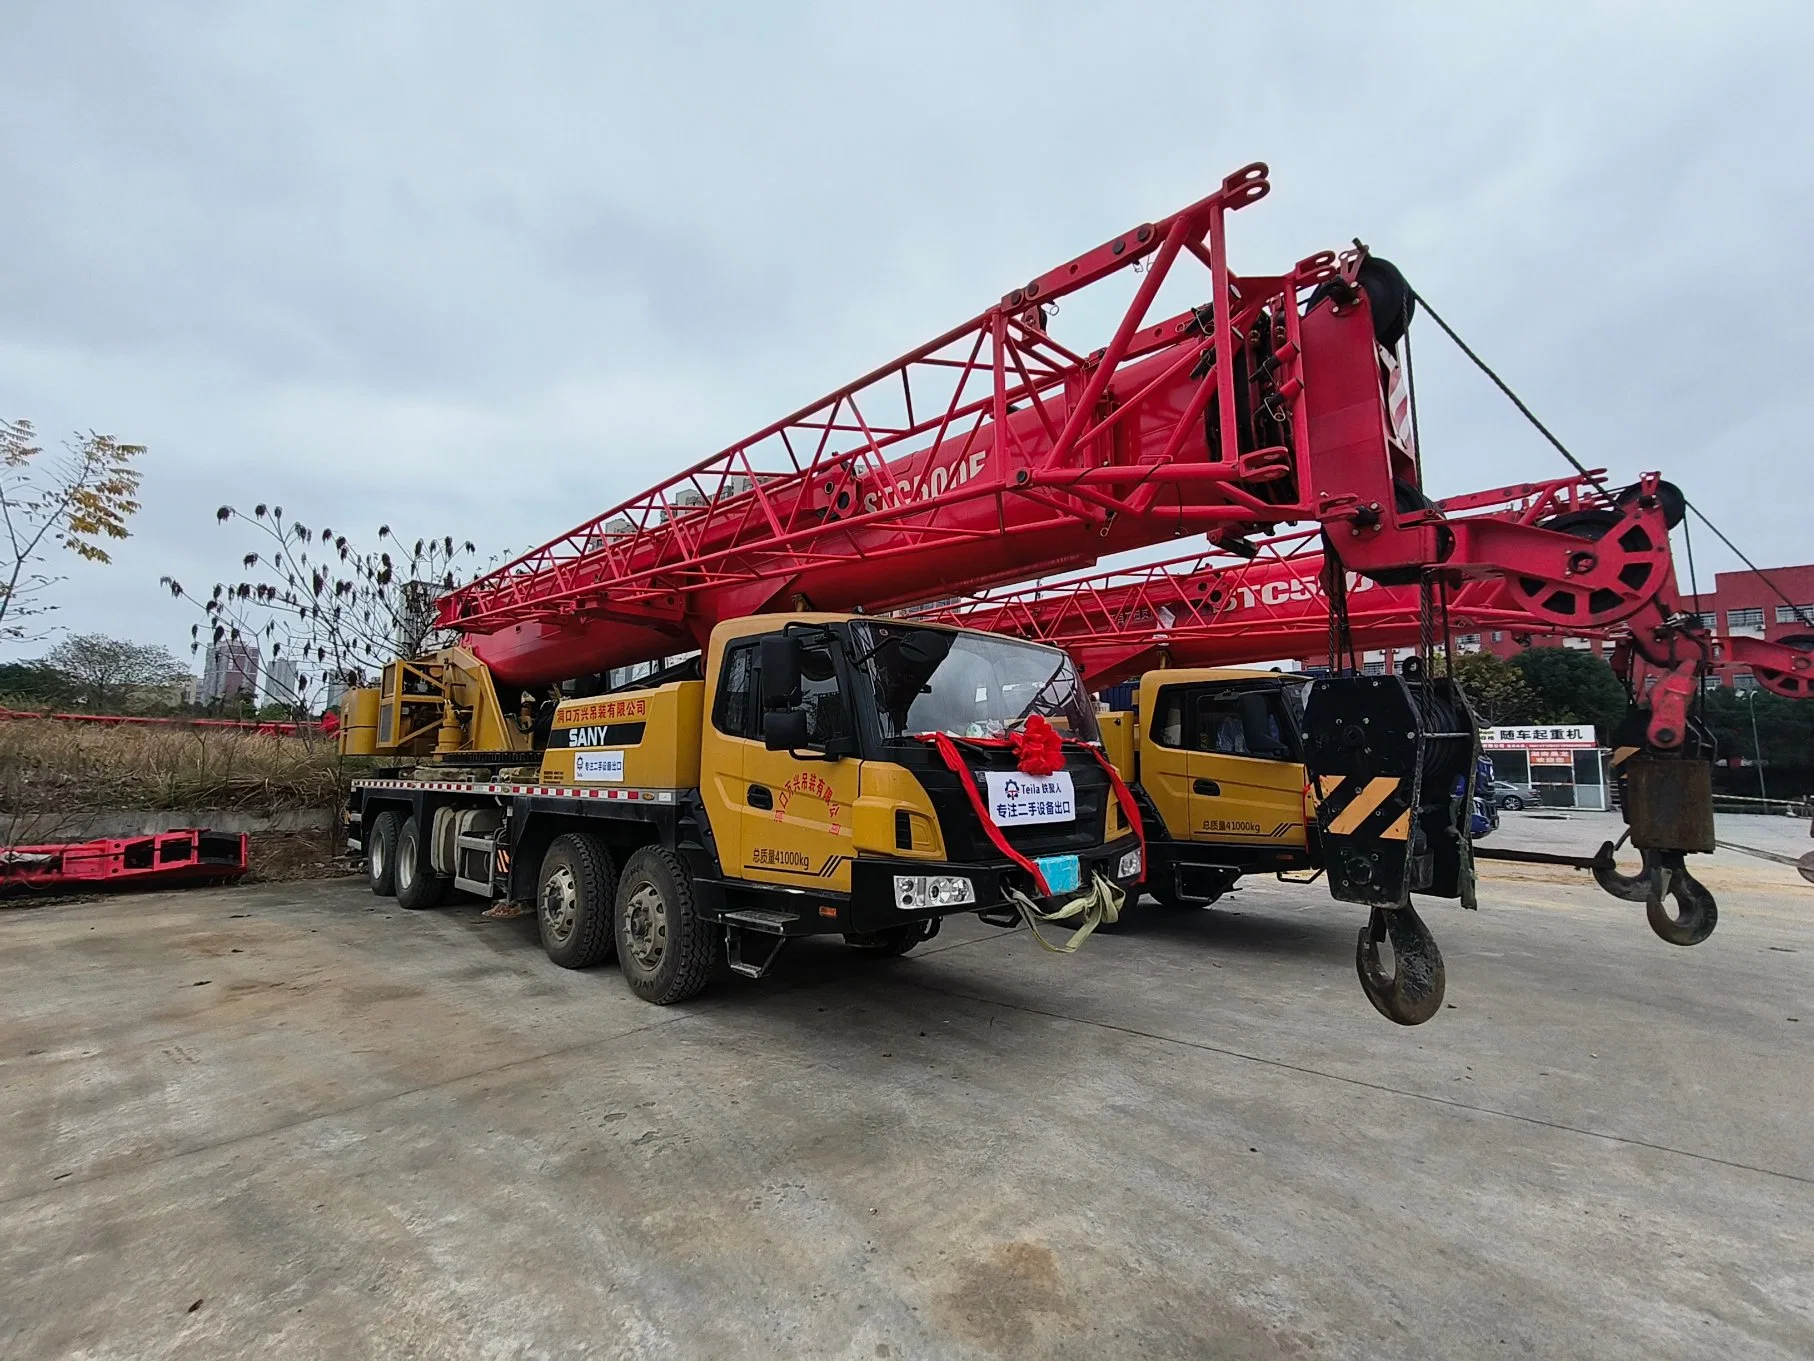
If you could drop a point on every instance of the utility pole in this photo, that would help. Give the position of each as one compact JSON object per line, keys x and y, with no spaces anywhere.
{"x":1756,"y":746}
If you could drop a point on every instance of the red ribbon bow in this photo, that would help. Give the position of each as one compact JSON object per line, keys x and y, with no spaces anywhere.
{"x":1039,"y":747}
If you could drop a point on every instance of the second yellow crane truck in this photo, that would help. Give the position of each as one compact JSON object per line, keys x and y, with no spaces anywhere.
{"x":1214,"y":757}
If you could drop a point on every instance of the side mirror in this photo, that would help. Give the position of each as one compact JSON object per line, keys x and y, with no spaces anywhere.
{"x":780,"y":657}
{"x":783,"y":729}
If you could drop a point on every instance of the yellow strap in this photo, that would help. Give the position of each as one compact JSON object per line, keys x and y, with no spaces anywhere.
{"x":1101,"y":902}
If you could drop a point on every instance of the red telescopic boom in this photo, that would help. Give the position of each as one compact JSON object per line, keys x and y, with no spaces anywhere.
{"x":1216,"y":609}
{"x":996,"y":453}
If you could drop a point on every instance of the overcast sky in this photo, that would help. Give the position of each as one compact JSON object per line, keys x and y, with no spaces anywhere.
{"x":485,"y":270}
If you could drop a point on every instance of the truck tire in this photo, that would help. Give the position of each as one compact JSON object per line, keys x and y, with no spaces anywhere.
{"x":418,"y":886}
{"x":889,"y":944}
{"x":573,"y":900}
{"x":381,"y":855}
{"x":665,"y":948}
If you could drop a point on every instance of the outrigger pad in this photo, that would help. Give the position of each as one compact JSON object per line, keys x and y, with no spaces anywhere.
{"x":1384,"y":755}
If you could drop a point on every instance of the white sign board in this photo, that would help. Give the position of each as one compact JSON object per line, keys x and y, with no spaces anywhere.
{"x":599,"y":766}
{"x":1571,"y":734}
{"x":1018,"y":800}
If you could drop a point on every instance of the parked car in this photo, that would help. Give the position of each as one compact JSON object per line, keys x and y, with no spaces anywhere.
{"x":1512,"y":797}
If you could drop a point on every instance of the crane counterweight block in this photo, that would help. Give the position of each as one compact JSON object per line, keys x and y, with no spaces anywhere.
{"x":1384,"y":756}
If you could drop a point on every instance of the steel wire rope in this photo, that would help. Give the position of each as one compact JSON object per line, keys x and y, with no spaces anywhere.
{"x":1580,"y":467}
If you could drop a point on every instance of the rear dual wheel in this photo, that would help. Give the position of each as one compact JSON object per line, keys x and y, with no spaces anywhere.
{"x":418,"y":886}
{"x":381,"y":855}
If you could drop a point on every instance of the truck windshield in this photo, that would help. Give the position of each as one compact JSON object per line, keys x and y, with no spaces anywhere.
{"x":968,"y":684}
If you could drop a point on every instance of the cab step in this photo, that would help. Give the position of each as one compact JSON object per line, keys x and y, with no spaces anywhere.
{"x":761,"y":919}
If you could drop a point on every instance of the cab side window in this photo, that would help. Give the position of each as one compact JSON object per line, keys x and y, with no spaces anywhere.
{"x":1219,"y":728}
{"x":733,"y":712}
{"x":1168,"y":719}
{"x":1244,"y":724}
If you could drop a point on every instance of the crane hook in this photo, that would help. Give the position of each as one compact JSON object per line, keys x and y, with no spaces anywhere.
{"x":1630,"y":888}
{"x":1412,"y":993}
{"x":1696,"y":913}
{"x":1663,"y":876}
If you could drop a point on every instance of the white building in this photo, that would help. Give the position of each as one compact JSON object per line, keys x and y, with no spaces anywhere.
{"x":282,"y":683}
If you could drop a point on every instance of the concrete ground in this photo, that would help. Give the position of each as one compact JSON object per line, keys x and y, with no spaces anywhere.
{"x":296,"y":1121}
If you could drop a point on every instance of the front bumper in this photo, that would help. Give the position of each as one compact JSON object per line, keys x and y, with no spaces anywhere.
{"x":872,"y":884}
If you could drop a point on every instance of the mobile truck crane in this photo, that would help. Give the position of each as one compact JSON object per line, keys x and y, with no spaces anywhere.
{"x":1213,"y":753}
{"x":826,"y":771}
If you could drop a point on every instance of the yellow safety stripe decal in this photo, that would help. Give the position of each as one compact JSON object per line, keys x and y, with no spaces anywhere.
{"x":1378,"y":790}
{"x":1328,"y":784}
{"x":1399,"y":830}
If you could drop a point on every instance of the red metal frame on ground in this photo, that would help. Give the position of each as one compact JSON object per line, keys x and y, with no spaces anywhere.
{"x":997,"y":453}
{"x":138,"y":720}
{"x":188,"y":856}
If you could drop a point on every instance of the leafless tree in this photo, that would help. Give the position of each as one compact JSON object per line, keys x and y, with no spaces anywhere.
{"x":312,"y":596}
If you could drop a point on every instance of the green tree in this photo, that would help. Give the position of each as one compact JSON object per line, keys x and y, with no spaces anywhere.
{"x":1785,"y":729}
{"x":77,"y":502}
{"x":108,"y":674}
{"x":1496,"y":689}
{"x":34,"y":685}
{"x":1572,"y":687}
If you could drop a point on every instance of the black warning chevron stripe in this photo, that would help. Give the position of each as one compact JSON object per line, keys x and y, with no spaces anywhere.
{"x":1377,"y":808}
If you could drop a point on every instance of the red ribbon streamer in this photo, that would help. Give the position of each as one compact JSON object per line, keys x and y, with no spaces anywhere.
{"x":1130,"y":813}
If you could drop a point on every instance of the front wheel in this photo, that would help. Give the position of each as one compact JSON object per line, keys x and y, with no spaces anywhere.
{"x":665,"y":948}
{"x":573,"y":901}
{"x":1512,"y":803}
{"x":418,"y":886}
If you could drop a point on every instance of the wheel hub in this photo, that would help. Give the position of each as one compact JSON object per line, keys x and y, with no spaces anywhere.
{"x":646,"y":925}
{"x":560,"y":904}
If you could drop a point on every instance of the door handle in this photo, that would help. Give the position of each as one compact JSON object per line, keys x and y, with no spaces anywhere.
{"x":761,"y":797}
{"x":1206,"y":787}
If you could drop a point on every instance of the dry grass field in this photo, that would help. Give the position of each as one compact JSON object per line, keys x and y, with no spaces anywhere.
{"x":47,"y":767}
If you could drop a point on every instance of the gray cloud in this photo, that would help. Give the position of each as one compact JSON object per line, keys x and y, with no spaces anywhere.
{"x":487,"y":271}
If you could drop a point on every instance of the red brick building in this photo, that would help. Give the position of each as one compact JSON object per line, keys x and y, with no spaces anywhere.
{"x":1739,"y":604}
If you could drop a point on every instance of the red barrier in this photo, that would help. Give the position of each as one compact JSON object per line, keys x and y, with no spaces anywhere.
{"x":135,"y":720}
{"x":191,"y":855}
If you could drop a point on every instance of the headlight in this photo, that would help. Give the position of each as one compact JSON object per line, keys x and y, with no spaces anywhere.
{"x":1130,"y":865}
{"x":914,"y":892}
